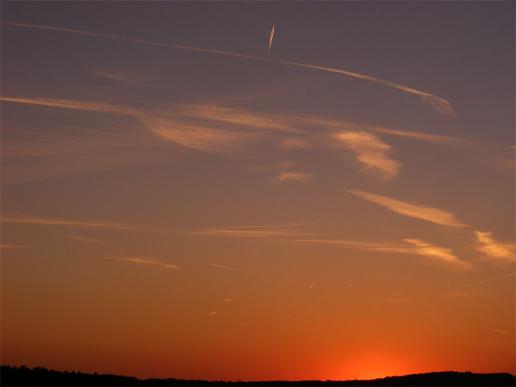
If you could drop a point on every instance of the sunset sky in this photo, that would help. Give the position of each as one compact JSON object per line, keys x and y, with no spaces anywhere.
{"x":178,"y":202}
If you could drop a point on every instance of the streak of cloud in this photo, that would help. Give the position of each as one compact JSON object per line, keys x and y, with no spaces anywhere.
{"x":429,"y":214}
{"x":93,"y":241}
{"x":295,"y":143}
{"x":299,"y":177}
{"x":442,"y":254}
{"x":410,"y":246}
{"x":271,"y":37}
{"x":266,"y":231}
{"x":118,"y":78}
{"x":196,"y":137}
{"x":164,"y":125}
{"x":240,"y":117}
{"x":494,"y":249}
{"x":499,"y":331}
{"x":145,"y":261}
{"x":101,"y":107}
{"x":427,"y":137}
{"x":45,"y":221}
{"x":370,"y":151}
{"x":441,"y":105}
{"x":228,"y":268}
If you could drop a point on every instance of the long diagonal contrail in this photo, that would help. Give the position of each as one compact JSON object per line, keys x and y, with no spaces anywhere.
{"x":440,"y":104}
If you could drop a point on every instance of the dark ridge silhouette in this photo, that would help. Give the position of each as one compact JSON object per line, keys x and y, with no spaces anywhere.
{"x":39,"y":376}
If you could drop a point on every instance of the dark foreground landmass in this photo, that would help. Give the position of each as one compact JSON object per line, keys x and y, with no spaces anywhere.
{"x":23,"y":376}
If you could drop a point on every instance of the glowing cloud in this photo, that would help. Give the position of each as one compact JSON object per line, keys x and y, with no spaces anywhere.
{"x":34,"y":220}
{"x":442,"y":254}
{"x":427,"y":137}
{"x":197,"y":137}
{"x":101,"y":107}
{"x":295,"y":143}
{"x":299,"y":177}
{"x":441,"y":105}
{"x":266,"y":231}
{"x":146,"y":261}
{"x":492,"y":248}
{"x":233,"y":116}
{"x":410,"y":247}
{"x":117,"y":77}
{"x":271,"y":37}
{"x":371,"y":152}
{"x":429,"y":214}
{"x":223,"y":267}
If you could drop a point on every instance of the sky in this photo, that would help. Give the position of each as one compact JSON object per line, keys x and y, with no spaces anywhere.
{"x":186,"y":194}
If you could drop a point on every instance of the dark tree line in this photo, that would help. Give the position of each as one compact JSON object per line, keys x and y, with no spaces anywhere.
{"x":39,"y":376}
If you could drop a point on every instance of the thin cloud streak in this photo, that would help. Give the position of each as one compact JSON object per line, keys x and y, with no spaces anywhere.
{"x":371,"y":151}
{"x":494,"y":249}
{"x":196,"y":137}
{"x":89,"y":240}
{"x":411,"y":246}
{"x":240,"y":117}
{"x":271,"y":38}
{"x":145,"y":261}
{"x":429,"y":214}
{"x":223,"y":267}
{"x":499,"y":331}
{"x":163,"y":125}
{"x":266,"y":231}
{"x":441,"y":105}
{"x":299,"y":177}
{"x":101,"y":107}
{"x":442,"y":254}
{"x":118,"y":78}
{"x":427,"y":137}
{"x":45,"y":221}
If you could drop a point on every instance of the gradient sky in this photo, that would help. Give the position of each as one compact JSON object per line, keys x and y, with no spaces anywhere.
{"x":177,"y":202}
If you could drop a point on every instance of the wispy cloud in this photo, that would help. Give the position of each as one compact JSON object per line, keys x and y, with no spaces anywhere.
{"x":234,"y":116}
{"x":229,"y":268}
{"x":295,"y":143}
{"x":499,"y":331}
{"x":429,"y":214}
{"x":494,"y":249}
{"x":101,"y":107}
{"x":145,"y":261}
{"x":168,"y":125}
{"x":271,"y":37}
{"x":93,"y":241}
{"x":118,"y":78}
{"x":196,"y":137}
{"x":427,"y":137}
{"x":410,"y":246}
{"x":440,"y":104}
{"x":45,"y":221}
{"x":371,"y":151}
{"x":258,"y":231}
{"x":299,"y":177}
{"x":442,"y":254}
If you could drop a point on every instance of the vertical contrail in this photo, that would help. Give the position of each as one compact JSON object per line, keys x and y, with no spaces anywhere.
{"x":441,"y":105}
{"x":271,"y":37}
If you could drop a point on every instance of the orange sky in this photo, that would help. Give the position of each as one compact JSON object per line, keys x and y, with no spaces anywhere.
{"x":178,"y":202}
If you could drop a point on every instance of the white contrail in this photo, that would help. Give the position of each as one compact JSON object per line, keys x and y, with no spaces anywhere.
{"x":440,"y":104}
{"x":271,"y":37}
